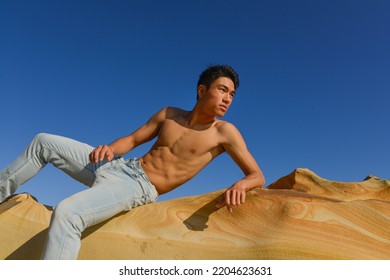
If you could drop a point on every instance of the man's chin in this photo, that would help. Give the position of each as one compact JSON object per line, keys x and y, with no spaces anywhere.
{"x":223,"y":113}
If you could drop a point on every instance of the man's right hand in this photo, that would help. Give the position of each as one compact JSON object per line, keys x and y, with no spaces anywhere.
{"x":100,"y":153}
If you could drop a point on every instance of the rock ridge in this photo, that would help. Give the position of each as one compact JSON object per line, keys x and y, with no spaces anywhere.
{"x":299,"y":216}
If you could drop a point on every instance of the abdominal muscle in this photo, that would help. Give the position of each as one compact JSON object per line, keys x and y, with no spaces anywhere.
{"x":167,"y":170}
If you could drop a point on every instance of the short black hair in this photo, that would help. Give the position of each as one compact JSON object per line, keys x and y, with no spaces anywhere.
{"x":214,"y":72}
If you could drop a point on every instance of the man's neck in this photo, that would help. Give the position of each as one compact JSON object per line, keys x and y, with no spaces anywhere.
{"x":199,"y":118}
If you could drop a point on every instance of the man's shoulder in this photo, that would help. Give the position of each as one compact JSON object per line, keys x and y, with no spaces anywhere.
{"x":230,"y":136}
{"x":169,"y":113}
{"x":176,"y":110}
{"x":227,"y":130}
{"x":224,"y":126}
{"x":172,"y":112}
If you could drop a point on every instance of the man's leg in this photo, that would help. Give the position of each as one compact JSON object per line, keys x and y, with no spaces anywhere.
{"x":117,"y":189}
{"x":67,"y":154}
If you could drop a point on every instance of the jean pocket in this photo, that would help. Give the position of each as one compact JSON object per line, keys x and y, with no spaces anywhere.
{"x":139,"y":201}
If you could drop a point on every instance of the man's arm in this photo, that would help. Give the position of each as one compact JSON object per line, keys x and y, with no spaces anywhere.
{"x":125,"y":144}
{"x":235,"y":146}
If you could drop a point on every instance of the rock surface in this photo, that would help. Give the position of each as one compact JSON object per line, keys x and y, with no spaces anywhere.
{"x":300,"y":216}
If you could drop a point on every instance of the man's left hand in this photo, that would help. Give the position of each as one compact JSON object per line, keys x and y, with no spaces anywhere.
{"x":233,"y":196}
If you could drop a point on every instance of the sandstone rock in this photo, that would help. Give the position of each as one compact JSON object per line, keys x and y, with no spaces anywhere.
{"x":300,"y":216}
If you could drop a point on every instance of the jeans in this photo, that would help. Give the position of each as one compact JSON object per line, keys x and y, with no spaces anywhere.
{"x":115,"y":186}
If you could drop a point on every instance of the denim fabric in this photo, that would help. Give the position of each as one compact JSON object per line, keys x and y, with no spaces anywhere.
{"x":115,"y":186}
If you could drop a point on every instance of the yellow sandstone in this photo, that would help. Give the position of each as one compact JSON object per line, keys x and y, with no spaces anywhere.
{"x":300,"y":216}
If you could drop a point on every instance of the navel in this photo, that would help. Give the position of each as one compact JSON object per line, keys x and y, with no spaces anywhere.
{"x":193,"y":151}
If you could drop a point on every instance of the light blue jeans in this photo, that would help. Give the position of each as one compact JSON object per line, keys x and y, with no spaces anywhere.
{"x":115,"y":186}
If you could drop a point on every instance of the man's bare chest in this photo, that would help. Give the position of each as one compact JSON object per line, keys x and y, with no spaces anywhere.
{"x":186,"y":141}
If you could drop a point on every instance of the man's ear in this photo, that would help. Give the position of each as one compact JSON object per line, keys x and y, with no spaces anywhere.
{"x":201,"y":90}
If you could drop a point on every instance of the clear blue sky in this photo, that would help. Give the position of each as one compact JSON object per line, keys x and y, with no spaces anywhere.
{"x":315,"y":87}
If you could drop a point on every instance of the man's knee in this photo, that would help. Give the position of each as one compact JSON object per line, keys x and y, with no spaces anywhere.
{"x":43,"y":137}
{"x":66,"y":215}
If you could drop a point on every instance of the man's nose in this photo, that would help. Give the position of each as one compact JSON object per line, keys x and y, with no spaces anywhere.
{"x":227,"y":98}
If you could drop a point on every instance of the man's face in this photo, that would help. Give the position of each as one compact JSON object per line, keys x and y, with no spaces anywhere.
{"x":217,"y":98}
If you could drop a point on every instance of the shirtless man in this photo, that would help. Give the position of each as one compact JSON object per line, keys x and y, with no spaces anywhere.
{"x":186,"y":142}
